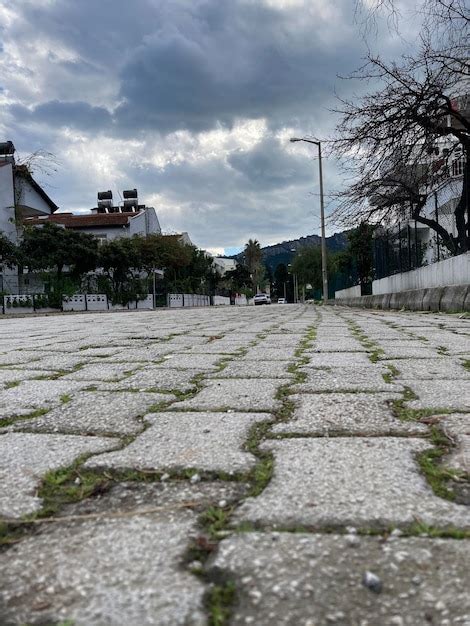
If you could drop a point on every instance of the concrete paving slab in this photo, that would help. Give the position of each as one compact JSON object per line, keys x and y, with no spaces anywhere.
{"x":457,"y":427}
{"x":8,"y":376}
{"x":241,"y":394}
{"x":177,"y":441}
{"x":429,"y":369}
{"x":255,"y":369}
{"x":145,"y":354}
{"x":339,"y":379}
{"x":270,"y":354}
{"x":31,"y":395}
{"x":122,"y":568}
{"x":154,"y":378}
{"x":26,"y":457}
{"x":299,"y":579}
{"x":109,"y":372}
{"x":337,"y":359}
{"x":96,"y":413}
{"x":17,"y":357}
{"x":57,"y":362}
{"x":440,"y":394}
{"x":405,"y":352}
{"x":190,"y":361}
{"x":331,"y":414}
{"x":370,"y":483}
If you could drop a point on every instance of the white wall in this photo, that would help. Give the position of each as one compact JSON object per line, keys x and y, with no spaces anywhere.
{"x":145,"y":223}
{"x":351,"y":292}
{"x":453,"y":271}
{"x":7,"y":202}
{"x":29,"y":197}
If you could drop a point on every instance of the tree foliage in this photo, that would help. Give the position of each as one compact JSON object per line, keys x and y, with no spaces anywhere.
{"x":357,"y":260}
{"x":253,"y":260}
{"x":8,"y":252}
{"x":52,"y":247}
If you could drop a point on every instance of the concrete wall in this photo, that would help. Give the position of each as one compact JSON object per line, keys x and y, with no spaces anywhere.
{"x":451,"y":299}
{"x":351,"y":292}
{"x":7,"y":202}
{"x":453,"y":271}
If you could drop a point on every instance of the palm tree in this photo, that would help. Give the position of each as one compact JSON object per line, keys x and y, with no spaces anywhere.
{"x":253,"y":261}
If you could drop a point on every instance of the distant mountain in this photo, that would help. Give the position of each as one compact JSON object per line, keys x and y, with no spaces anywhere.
{"x":285,"y":251}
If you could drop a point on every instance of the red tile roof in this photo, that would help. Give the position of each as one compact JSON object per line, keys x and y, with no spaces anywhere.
{"x":69,"y":220}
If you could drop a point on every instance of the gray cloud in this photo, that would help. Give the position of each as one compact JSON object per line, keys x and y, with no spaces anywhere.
{"x":70,"y":114}
{"x":122,"y":76}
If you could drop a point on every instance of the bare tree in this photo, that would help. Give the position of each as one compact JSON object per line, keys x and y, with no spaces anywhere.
{"x":388,"y":139}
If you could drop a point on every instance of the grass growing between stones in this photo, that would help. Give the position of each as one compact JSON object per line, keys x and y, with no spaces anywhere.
{"x":437,"y":475}
{"x":12,"y":384}
{"x":220,"y":601}
{"x":405,"y":414}
{"x":8,"y":421}
{"x":390,"y":376}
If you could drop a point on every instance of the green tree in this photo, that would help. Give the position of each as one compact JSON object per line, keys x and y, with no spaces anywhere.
{"x":54,"y":248}
{"x":358,"y":258}
{"x":8,"y":252}
{"x":253,"y":258}
{"x":281,"y":280}
{"x":121,"y":262}
{"x":307,"y":266}
{"x":239,"y":279}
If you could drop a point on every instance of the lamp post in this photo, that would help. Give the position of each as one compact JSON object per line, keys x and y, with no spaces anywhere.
{"x":324,"y":269}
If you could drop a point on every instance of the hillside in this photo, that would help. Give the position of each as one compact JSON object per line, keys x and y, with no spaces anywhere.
{"x":284,"y":252}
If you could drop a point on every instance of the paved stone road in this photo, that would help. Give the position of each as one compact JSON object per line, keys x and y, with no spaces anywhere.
{"x":273,"y":465}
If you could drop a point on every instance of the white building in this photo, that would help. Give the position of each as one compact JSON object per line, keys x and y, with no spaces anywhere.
{"x":106,"y":221}
{"x":223,"y":265}
{"x":20,"y":198}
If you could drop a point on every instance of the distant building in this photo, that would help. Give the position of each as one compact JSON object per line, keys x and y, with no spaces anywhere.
{"x":20,"y":198}
{"x":223,"y":264}
{"x":107,"y":221}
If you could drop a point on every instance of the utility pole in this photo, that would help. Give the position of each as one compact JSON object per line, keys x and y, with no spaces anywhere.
{"x":324,"y":266}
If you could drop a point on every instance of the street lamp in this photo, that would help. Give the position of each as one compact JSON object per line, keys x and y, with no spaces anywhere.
{"x":324,"y":270}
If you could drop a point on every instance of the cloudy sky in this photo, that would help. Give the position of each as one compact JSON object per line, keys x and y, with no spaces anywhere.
{"x":191,"y":101}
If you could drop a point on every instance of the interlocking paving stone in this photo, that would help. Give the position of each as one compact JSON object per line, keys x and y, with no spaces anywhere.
{"x":457,"y":427}
{"x":96,"y":413}
{"x":349,"y":481}
{"x":425,"y":369}
{"x":144,"y":354}
{"x":156,"y":378}
{"x":337,"y":359}
{"x":406,"y":352}
{"x":440,"y":394}
{"x":309,"y":580}
{"x":347,"y":414}
{"x":103,"y":371}
{"x":31,"y":395}
{"x":255,"y":369}
{"x":207,"y":441}
{"x":190,"y":361}
{"x":56,"y":362}
{"x":238,"y":394}
{"x":268,"y":354}
{"x":18,"y":357}
{"x":26,"y":457}
{"x":13,"y":375}
{"x":123,"y":570}
{"x":338,"y":379}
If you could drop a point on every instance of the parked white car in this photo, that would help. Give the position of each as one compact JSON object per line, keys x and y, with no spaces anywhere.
{"x":281,"y":301}
{"x":262,"y":298}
